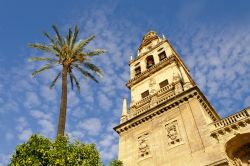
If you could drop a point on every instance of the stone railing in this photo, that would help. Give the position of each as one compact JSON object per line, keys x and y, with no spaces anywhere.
{"x":165,"y":89}
{"x":240,"y":118}
{"x":150,"y":101}
{"x":139,"y":111}
{"x":143,"y":101}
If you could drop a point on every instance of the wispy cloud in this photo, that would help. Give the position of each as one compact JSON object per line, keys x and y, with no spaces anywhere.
{"x":92,"y":126}
{"x":219,"y":61}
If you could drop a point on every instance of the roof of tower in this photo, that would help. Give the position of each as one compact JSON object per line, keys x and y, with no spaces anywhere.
{"x":148,"y":37}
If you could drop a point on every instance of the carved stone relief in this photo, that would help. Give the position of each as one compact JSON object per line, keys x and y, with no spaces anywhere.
{"x":173,"y":133}
{"x":143,"y":147}
{"x":177,"y":83}
{"x":152,"y":86}
{"x":176,"y":77}
{"x":242,"y":156}
{"x":178,"y":88}
{"x":153,"y":101}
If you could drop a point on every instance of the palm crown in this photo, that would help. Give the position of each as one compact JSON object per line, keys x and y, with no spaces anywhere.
{"x":70,"y":54}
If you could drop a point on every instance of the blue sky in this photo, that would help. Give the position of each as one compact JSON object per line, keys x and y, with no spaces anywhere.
{"x":212,"y":37}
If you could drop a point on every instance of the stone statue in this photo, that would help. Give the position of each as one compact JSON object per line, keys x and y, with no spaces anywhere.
{"x":237,"y":162}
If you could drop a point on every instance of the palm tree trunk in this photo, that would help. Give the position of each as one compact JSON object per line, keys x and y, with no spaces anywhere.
{"x":63,"y":107}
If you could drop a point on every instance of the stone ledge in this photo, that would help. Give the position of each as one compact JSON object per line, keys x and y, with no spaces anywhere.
{"x":165,"y":106}
{"x":232,"y":123}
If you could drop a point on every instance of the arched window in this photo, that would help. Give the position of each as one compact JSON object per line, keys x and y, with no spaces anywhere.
{"x":150,"y":61}
{"x":162,"y":55}
{"x":137,"y":70}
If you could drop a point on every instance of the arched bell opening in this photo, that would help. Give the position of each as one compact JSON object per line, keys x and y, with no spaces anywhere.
{"x":238,"y":149}
{"x":150,"y":61}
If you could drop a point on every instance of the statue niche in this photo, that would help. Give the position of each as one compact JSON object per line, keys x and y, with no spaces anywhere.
{"x":238,"y":149}
{"x":242,"y":156}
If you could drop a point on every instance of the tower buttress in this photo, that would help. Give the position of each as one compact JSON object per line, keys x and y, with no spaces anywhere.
{"x":124,"y":110}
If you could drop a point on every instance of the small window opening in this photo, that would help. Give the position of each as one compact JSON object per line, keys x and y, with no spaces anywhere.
{"x":145,"y":94}
{"x":150,"y":61}
{"x":163,"y":83}
{"x":162,"y":55}
{"x":137,"y":70}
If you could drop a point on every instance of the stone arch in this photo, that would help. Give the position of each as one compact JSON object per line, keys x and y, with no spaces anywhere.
{"x":150,"y":61}
{"x":238,"y":149}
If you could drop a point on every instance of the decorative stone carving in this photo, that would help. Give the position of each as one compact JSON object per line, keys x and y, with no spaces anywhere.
{"x":153,"y":101}
{"x":237,"y":162}
{"x":177,"y":83}
{"x":176,"y":77}
{"x":143,"y":146}
{"x":187,"y":85}
{"x":178,"y":88}
{"x":173,"y":133}
{"x":242,"y":155}
{"x":152,"y":86}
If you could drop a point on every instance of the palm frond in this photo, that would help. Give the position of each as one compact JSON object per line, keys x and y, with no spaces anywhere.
{"x":53,"y":43}
{"x":69,"y":37}
{"x":55,"y":80}
{"x":85,"y":73}
{"x":58,"y":36}
{"x":46,"y":34}
{"x":45,"y":67}
{"x":96,"y":52}
{"x":80,"y":45}
{"x":74,"y":37}
{"x":42,"y":47}
{"x":51,"y":60}
{"x":73,"y":77}
{"x":93,"y":67}
{"x":57,"y":49}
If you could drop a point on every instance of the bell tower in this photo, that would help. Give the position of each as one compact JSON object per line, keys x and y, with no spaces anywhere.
{"x":168,"y":122}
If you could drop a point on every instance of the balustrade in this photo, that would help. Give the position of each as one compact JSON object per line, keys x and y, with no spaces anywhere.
{"x":231,"y":119}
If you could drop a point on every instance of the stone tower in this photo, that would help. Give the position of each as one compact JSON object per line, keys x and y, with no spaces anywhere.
{"x":170,"y":122}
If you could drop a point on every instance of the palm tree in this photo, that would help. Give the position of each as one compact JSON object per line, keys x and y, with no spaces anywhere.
{"x":70,"y":54}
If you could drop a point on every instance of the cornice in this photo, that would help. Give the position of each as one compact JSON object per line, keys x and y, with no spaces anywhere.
{"x":167,"y":105}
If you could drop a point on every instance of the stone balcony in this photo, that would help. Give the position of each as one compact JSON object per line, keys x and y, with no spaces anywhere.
{"x":150,"y":101}
{"x":231,"y":123}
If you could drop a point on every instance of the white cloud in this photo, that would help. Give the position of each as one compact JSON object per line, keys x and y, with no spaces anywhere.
{"x":9,"y":136}
{"x":110,"y":153}
{"x":247,"y":101}
{"x":31,"y":100}
{"x":23,"y":128}
{"x":219,"y":61}
{"x":48,"y":94}
{"x":4,"y":159}
{"x":107,"y":141}
{"x":46,"y":121}
{"x":40,"y":115}
{"x":25,"y":134}
{"x":104,"y":102}
{"x":92,"y":126}
{"x":73,"y":100}
{"x":48,"y":127}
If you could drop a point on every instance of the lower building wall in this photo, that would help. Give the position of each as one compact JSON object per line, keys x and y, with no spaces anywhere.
{"x":177,"y":137}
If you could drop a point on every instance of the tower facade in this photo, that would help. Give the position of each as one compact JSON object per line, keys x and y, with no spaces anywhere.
{"x":170,"y":121}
